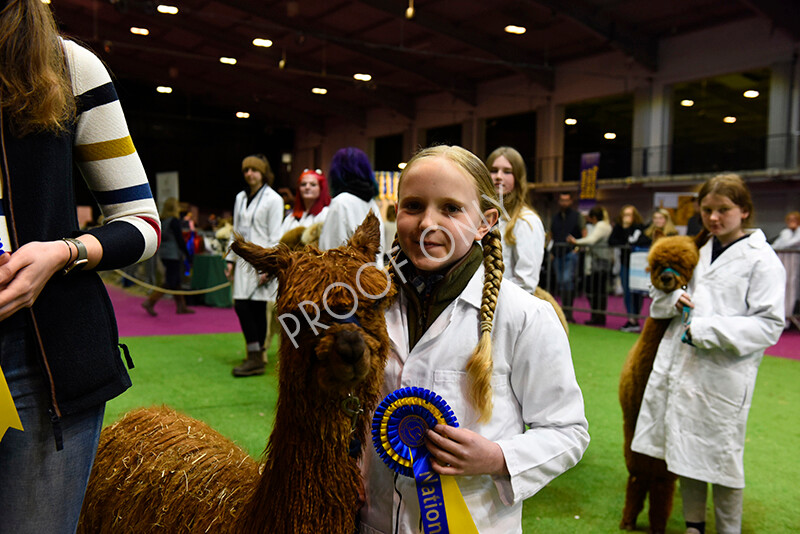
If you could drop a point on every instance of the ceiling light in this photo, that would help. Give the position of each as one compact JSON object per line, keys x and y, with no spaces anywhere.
{"x":571,"y":122}
{"x":402,"y":166}
{"x":687,"y":103}
{"x":362,"y":77}
{"x":516,"y":30}
{"x":167,"y":10}
{"x":752,"y":93}
{"x":610,"y":135}
{"x":228,"y":60}
{"x":139,"y":31}
{"x":729,"y":119}
{"x":264,"y":43}
{"x":164,"y":89}
{"x":242,"y":115}
{"x":45,"y":1}
{"x":319,"y":90}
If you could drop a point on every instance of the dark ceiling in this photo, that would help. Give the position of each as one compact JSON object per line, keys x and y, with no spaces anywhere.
{"x":449,"y":46}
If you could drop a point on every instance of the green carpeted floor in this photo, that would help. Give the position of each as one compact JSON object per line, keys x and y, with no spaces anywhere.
{"x":192,"y":374}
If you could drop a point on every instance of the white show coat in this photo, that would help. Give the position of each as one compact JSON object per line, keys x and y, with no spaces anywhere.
{"x":345,"y":213}
{"x":533,"y":382}
{"x":695,"y":406}
{"x":259,"y":223}
{"x":523,"y":260}
{"x":290,"y":223}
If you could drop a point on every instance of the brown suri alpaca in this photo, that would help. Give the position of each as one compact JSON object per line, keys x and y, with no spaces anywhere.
{"x":647,"y":475}
{"x":301,"y":236}
{"x":159,"y":471}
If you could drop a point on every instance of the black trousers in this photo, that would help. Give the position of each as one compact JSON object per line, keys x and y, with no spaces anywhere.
{"x":252,"y":316}
{"x":598,"y":294}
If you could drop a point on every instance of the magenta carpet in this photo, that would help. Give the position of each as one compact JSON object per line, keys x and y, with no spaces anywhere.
{"x":134,"y":321}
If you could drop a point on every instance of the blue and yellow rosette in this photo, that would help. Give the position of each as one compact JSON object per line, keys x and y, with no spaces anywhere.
{"x":398,"y":434}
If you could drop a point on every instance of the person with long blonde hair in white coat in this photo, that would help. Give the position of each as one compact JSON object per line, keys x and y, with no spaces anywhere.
{"x":520,"y":226}
{"x":695,"y":407}
{"x":495,"y":353}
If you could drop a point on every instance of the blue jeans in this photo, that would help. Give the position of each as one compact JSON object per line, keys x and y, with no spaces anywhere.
{"x":41,"y":489}
{"x":633,"y":301}
{"x":565,"y":271}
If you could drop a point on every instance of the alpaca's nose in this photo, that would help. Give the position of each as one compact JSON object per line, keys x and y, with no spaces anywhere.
{"x":349,"y":345}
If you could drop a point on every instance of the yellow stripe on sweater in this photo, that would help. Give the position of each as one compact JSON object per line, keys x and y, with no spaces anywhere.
{"x":114,"y":148}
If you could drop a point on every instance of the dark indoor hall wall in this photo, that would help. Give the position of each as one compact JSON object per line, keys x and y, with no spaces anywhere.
{"x":204,"y":145}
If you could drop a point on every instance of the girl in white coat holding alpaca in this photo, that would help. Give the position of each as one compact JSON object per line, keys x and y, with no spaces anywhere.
{"x":695,"y":407}
{"x":496,"y":354}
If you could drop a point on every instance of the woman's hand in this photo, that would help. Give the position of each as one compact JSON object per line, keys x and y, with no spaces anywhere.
{"x":570,"y":239}
{"x":459,"y":451}
{"x":24,"y":273}
{"x":229,"y":266}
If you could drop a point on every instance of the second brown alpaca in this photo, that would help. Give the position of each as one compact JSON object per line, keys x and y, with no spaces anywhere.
{"x":160,"y":471}
{"x":671,"y":263}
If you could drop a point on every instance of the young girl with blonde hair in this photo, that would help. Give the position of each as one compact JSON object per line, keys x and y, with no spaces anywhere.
{"x":495,"y":353}
{"x":521,"y":228}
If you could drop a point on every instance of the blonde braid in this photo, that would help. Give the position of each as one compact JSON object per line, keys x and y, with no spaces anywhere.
{"x":479,"y":367}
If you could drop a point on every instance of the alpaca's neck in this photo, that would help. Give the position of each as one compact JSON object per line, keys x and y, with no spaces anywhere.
{"x":309,"y":482}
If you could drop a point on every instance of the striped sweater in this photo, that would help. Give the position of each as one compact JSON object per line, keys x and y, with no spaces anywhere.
{"x":110,"y":166}
{"x":72,"y":324}
{"x":109,"y":163}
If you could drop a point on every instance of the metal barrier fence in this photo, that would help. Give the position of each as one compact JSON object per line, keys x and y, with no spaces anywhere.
{"x":570,"y":274}
{"x":791,"y":262}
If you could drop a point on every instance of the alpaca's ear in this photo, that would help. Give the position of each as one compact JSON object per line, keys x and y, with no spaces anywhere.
{"x":367,"y":237}
{"x":270,"y":261}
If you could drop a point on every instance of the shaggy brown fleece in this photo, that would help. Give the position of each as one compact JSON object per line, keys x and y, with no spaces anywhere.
{"x":544,"y":295}
{"x":310,"y":483}
{"x":649,"y":475}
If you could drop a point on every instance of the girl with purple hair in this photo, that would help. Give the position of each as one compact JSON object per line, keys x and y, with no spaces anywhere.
{"x":354,"y":187}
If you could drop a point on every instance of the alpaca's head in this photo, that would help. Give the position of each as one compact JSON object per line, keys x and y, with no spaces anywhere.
{"x":672,"y":261}
{"x":330,"y":308}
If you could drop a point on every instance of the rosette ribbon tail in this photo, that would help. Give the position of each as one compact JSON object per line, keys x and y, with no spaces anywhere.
{"x":8,"y":412}
{"x":441,"y":505}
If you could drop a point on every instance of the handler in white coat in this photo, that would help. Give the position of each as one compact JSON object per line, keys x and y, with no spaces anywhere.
{"x":695,"y":407}
{"x":257,"y":217}
{"x":354,"y":187}
{"x":523,"y":242}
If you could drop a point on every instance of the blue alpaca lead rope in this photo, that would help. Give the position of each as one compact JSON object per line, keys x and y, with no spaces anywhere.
{"x":686,"y":320}
{"x":398,"y":434}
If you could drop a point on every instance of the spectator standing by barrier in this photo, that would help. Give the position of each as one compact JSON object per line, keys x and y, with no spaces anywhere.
{"x":171,"y":252}
{"x":567,"y":221}
{"x":257,"y":217}
{"x":602,"y":261}
{"x":661,"y":226}
{"x":698,"y":396}
{"x":521,"y":228}
{"x":628,"y":234}
{"x":789,"y":238}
